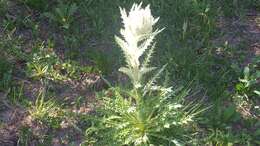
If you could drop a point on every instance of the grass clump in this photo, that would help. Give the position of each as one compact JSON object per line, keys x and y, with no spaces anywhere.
{"x":46,"y":64}
{"x":63,"y":14}
{"x":5,"y":74}
{"x":39,"y":5}
{"x":46,"y":111}
{"x":247,"y":90}
{"x":3,"y":7}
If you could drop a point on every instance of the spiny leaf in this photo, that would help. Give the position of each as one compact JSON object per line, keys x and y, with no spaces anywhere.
{"x":148,"y":57}
{"x":149,"y":85}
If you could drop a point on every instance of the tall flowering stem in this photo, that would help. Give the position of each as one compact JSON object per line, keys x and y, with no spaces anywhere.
{"x":137,"y":37}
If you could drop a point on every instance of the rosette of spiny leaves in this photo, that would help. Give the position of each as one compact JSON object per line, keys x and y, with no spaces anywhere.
{"x":147,"y":114}
{"x":158,"y":120}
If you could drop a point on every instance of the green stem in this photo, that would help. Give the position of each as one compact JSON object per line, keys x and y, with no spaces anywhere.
{"x":136,"y":96}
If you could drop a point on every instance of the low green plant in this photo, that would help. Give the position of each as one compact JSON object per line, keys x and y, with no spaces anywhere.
{"x":96,"y":19}
{"x":221,"y":138}
{"x":25,"y":136}
{"x":231,"y":138}
{"x":248,"y":84}
{"x":10,"y":46}
{"x":45,"y":64}
{"x":46,"y":111}
{"x":147,"y":113}
{"x":33,"y":25}
{"x":256,"y":4}
{"x":252,"y":4}
{"x":231,"y":8}
{"x":73,"y":42}
{"x":63,"y":14}
{"x":3,"y":7}
{"x":16,"y":96}
{"x":39,"y":5}
{"x":247,"y":89}
{"x":5,"y":74}
{"x":8,"y":24}
{"x":104,"y":62}
{"x":42,"y":64}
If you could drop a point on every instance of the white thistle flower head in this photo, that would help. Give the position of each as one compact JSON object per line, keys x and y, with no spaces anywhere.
{"x":138,"y":23}
{"x":138,"y":26}
{"x":138,"y":35}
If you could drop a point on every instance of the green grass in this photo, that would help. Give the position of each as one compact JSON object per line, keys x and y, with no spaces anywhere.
{"x":3,"y":7}
{"x":5,"y":74}
{"x":46,"y":111}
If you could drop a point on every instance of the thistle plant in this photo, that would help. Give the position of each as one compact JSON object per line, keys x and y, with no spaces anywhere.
{"x":147,"y":113}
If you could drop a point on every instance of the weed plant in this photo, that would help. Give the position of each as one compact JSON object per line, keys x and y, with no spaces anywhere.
{"x":5,"y":74}
{"x":3,"y":7}
{"x":248,"y":91}
{"x":39,"y":5}
{"x":63,"y":14}
{"x":46,"y":111}
{"x":46,"y":64}
{"x":147,"y":113}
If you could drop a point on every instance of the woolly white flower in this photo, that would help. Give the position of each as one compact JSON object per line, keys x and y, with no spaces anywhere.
{"x":138,"y":36}
{"x":138,"y":23}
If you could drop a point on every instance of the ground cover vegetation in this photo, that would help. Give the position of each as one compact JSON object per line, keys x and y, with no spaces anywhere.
{"x":130,"y":72}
